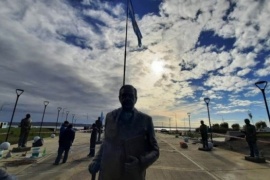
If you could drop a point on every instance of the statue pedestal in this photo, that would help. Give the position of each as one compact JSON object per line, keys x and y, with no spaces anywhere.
{"x":21,"y":149}
{"x":254,"y":159}
{"x":204,"y":149}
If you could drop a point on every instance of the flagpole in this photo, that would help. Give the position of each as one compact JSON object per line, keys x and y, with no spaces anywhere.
{"x":125,"y":55}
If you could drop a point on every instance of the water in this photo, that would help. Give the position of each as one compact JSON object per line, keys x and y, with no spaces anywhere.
{"x":174,"y":128}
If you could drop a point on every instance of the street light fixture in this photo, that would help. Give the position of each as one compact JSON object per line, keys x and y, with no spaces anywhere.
{"x":189,"y":121}
{"x":73,"y":115}
{"x":207,"y":100}
{"x":67,"y":115}
{"x":262,"y":85}
{"x":58,"y":109}
{"x":74,"y":123}
{"x":170,"y":124}
{"x":18,"y":92}
{"x":63,"y":111}
{"x":45,"y":106}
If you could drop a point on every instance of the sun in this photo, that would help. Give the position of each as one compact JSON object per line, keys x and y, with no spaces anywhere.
{"x":157,"y":67}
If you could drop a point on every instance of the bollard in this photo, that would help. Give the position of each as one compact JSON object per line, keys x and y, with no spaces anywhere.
{"x":35,"y":152}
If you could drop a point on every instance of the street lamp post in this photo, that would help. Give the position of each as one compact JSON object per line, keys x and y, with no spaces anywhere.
{"x":67,"y":115}
{"x":58,"y":109}
{"x":45,"y":106}
{"x":63,"y":111}
{"x":74,"y":123}
{"x":18,"y":92}
{"x":207,"y":100}
{"x":170,"y":123}
{"x":73,"y":115}
{"x":189,"y":121}
{"x":262,"y":85}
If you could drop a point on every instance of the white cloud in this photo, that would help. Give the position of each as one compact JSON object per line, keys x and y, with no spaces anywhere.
{"x":37,"y":55}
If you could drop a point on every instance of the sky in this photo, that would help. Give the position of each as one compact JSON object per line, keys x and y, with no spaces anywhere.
{"x":71,"y":53}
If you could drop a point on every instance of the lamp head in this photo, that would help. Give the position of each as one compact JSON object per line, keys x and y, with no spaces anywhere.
{"x":261,"y":84}
{"x":59,"y":108}
{"x":46,"y":103}
{"x":207,"y":100}
{"x":19,"y":91}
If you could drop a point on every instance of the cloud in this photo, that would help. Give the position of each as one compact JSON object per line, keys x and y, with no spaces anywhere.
{"x":72,"y":54}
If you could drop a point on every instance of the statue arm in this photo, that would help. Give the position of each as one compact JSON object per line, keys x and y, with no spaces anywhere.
{"x":152,"y":155}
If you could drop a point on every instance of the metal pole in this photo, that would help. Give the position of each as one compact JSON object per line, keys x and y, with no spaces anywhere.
{"x":125,"y":55}
{"x":67,"y":115}
{"x":63,"y":113}
{"x":59,"y":109}
{"x":170,"y":123}
{"x":189,"y":122}
{"x":209,"y":121}
{"x":73,"y":115}
{"x":264,"y":97}
{"x":176,"y":123}
{"x":19,"y":92}
{"x":263,"y":92}
{"x":45,"y":106}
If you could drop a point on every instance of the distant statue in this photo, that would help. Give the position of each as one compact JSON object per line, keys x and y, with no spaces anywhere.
{"x":99,"y":127}
{"x":25,"y":126}
{"x":129,"y":146}
{"x":204,"y":134}
{"x":251,"y":138}
{"x":93,"y":140}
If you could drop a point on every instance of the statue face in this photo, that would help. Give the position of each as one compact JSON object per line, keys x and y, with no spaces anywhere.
{"x":127,"y":98}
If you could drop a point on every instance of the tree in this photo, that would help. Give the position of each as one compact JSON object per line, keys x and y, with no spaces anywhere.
{"x":215,"y":126}
{"x":260,"y":124}
{"x":224,"y":125}
{"x":236,"y":127}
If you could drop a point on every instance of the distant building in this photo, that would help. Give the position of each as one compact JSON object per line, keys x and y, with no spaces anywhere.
{"x":3,"y":124}
{"x":266,"y":129}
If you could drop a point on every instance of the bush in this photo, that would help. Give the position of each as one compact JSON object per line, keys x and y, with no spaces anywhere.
{"x":236,"y":127}
{"x":260,"y":124}
{"x":224,"y":125}
{"x":15,"y":133}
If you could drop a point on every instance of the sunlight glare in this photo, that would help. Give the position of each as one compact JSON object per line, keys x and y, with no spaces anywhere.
{"x":157,"y":66}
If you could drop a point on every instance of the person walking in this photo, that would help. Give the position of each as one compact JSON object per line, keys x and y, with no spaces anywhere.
{"x":25,"y":129}
{"x":129,"y":146}
{"x":93,"y":140}
{"x":65,"y":142}
{"x":251,"y":138}
{"x":63,"y":128}
{"x":204,"y":134}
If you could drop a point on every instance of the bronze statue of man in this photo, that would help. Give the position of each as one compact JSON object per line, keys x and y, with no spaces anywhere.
{"x":251,"y":138}
{"x":129,"y":146}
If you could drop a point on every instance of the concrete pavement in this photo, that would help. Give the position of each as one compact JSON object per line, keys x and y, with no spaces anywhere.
{"x":174,"y":163}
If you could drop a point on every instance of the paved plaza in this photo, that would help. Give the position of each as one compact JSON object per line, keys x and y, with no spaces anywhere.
{"x":174,"y":163}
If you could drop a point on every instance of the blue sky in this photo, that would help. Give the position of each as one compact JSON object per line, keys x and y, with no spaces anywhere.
{"x":71,"y":53}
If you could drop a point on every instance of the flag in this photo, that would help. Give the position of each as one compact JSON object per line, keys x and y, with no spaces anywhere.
{"x":134,"y":23}
{"x":250,"y":115}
